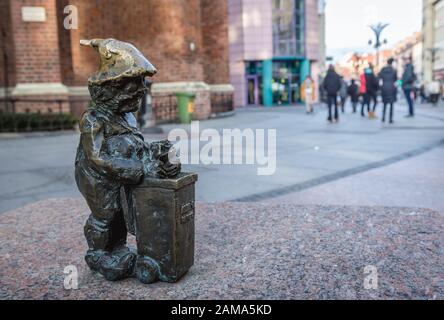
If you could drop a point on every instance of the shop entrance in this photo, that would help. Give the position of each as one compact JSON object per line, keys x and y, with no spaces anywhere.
{"x":253,"y":83}
{"x":252,"y":90}
{"x":286,"y":82}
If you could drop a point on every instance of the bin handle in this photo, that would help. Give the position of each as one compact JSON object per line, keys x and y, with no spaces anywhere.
{"x":187,"y":212}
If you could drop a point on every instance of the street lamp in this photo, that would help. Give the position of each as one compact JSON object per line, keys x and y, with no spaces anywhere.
{"x":377,"y":30}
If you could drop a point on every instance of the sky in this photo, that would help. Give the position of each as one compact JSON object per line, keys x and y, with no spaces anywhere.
{"x":347,"y":23}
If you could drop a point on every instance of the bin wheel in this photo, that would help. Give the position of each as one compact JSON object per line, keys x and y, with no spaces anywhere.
{"x":147,"y":270}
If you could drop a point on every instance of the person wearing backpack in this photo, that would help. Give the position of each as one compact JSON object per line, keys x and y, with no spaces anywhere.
{"x":408,"y":80}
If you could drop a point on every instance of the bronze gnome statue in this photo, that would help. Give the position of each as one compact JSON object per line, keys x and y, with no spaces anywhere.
{"x":112,"y":158}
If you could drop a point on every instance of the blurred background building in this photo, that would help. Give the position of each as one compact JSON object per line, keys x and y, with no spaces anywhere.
{"x":433,"y":40}
{"x":352,"y":64}
{"x":409,"y":49}
{"x":41,"y":60}
{"x":273,"y":46}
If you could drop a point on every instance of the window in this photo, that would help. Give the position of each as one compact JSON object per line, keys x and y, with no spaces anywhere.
{"x":439,"y":14}
{"x":288,"y":27}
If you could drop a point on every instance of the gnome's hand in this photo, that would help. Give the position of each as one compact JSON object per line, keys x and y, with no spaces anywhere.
{"x":167,"y":170}
{"x":164,"y":161}
{"x":159,"y":169}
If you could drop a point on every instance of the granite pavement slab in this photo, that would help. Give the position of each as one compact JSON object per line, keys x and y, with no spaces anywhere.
{"x":243,"y":251}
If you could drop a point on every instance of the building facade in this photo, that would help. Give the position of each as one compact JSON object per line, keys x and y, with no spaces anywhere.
{"x":273,"y":46}
{"x":41,"y":58}
{"x":410,"y":49}
{"x":433,"y":40}
{"x":352,"y":64}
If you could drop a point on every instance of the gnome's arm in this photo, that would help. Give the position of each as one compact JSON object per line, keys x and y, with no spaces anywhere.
{"x":125,"y":170}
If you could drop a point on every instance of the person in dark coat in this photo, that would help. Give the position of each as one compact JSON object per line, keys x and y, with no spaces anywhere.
{"x":388,"y":91}
{"x":408,"y":80}
{"x":371,"y":90}
{"x":353,"y":92}
{"x":331,"y":85}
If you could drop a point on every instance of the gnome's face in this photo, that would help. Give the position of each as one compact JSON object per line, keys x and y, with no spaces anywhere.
{"x":129,"y":94}
{"x":120,"y":96}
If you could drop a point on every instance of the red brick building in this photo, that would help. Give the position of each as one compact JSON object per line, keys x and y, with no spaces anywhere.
{"x":41,"y":59}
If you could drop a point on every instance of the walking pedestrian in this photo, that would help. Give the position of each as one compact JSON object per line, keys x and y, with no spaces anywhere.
{"x":362,"y":93}
{"x":408,"y":80}
{"x":343,"y":94}
{"x":371,"y":90}
{"x":388,"y":91}
{"x":422,"y":93}
{"x":434,"y":91}
{"x":308,"y":93}
{"x":332,"y":84}
{"x":353,"y":92}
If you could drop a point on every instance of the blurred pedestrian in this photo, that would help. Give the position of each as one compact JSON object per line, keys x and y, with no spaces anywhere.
{"x":371,"y":90}
{"x":362,"y":93}
{"x":332,"y":84}
{"x":308,"y":93}
{"x":388,"y":91}
{"x":434,"y":91}
{"x":422,"y":93}
{"x":408,"y":80}
{"x":343,"y":93}
{"x":353,"y":92}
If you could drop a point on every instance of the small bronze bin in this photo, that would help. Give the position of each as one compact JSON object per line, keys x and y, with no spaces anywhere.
{"x":162,"y":218}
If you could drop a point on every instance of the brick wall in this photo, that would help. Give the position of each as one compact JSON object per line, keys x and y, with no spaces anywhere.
{"x":215,"y":40}
{"x":36,"y":44}
{"x":46,"y":104}
{"x":162,"y":29}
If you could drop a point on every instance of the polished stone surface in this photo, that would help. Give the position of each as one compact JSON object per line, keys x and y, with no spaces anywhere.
{"x":243,"y":251}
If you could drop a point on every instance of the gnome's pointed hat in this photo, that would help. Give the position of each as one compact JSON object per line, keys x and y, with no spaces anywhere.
{"x":118,"y":60}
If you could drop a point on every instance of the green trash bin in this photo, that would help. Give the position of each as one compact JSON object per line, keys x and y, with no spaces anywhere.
{"x":185,"y":102}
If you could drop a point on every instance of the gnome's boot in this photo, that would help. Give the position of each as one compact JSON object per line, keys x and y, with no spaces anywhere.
{"x":115,"y":265}
{"x":107,"y":252}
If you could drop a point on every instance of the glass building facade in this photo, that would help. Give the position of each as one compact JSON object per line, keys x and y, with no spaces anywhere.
{"x":282,"y":81}
{"x":274,"y":46}
{"x":288,"y":28}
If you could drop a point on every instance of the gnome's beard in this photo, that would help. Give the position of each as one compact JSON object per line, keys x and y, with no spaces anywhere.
{"x":126,"y":104}
{"x":115,"y":100}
